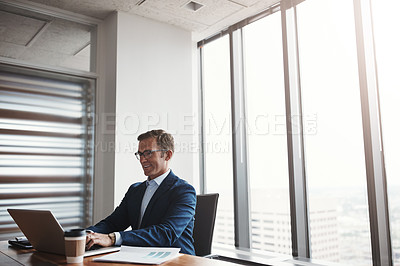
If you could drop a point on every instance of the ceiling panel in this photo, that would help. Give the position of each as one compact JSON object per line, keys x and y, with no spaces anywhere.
{"x":211,"y":12}
{"x":42,"y":39}
{"x":41,"y":56}
{"x":170,"y":18}
{"x":11,"y":50}
{"x":18,"y":29}
{"x":64,"y":37}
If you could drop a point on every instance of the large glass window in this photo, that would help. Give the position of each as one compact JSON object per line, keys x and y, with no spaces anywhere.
{"x":217,"y":144}
{"x":334,"y":153}
{"x":266,"y":134}
{"x":385,"y":15}
{"x":328,"y":93}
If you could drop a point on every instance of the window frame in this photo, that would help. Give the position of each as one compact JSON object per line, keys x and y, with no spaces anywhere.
{"x":372,"y":130}
{"x":381,"y":243}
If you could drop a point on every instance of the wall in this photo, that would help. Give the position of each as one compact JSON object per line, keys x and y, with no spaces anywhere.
{"x":154,"y":90}
{"x":103,"y":197}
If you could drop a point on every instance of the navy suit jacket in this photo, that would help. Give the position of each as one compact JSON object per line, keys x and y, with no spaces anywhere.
{"x":167,"y":222}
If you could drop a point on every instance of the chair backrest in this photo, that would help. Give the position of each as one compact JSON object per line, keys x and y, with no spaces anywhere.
{"x":206,"y":209}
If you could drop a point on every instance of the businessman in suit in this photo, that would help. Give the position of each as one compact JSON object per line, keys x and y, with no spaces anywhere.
{"x":159,"y":210}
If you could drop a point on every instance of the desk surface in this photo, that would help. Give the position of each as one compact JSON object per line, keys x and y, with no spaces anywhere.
{"x":14,"y":256}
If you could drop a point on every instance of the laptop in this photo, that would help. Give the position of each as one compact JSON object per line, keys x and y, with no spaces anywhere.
{"x":45,"y":233}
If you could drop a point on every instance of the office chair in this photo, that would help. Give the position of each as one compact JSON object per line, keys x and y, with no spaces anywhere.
{"x":206,"y":209}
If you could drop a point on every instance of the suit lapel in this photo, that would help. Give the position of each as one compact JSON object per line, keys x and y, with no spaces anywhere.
{"x":165,"y":186}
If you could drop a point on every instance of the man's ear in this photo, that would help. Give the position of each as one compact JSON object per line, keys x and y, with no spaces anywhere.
{"x":168,"y":155}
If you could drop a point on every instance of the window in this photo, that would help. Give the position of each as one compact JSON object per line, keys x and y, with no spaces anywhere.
{"x":217,"y":135}
{"x":266,"y":134}
{"x":331,"y":143}
{"x":46,"y":131}
{"x":334,"y":153}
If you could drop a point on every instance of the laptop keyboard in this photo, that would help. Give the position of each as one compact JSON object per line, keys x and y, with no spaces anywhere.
{"x":95,"y":247}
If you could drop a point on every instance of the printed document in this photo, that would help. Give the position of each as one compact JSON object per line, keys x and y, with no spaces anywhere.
{"x":144,"y":255}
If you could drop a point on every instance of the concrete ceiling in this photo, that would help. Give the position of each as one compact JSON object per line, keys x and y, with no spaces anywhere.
{"x":211,"y":17}
{"x":38,"y":38}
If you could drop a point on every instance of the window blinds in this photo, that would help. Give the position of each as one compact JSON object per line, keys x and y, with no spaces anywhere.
{"x":45,"y":147}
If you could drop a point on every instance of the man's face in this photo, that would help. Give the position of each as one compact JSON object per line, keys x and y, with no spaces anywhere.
{"x":155,"y":165}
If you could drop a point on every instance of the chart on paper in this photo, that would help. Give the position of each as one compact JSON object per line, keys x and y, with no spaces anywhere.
{"x":144,"y":255}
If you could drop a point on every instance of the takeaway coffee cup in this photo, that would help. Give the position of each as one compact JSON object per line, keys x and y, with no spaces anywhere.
{"x":75,"y":242}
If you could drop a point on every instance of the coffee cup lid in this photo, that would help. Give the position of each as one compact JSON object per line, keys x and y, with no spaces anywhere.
{"x":75,"y":232}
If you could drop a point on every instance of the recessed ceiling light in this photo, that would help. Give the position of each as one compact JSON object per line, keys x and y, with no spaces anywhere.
{"x":193,"y":6}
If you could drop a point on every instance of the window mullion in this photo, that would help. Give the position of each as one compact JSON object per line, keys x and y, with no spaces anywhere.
{"x":202,"y":129}
{"x":241,"y":187}
{"x":297,"y":178}
{"x":374,"y":160}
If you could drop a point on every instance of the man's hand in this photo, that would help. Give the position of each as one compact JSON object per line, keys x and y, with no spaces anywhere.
{"x":98,"y":239}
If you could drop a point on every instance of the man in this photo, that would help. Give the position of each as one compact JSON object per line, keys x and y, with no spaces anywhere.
{"x":159,"y":210}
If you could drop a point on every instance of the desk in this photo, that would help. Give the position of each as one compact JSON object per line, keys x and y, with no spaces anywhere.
{"x":14,"y":256}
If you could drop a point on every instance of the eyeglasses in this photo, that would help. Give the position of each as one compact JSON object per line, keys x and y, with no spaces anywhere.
{"x":146,"y":154}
